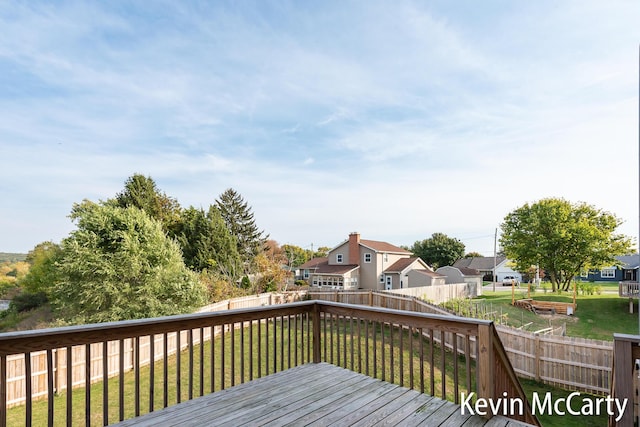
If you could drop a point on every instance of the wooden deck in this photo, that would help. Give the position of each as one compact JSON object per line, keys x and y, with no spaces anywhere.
{"x":319,"y":395}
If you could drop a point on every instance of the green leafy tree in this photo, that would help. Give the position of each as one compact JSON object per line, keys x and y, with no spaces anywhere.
{"x":439,"y":250}
{"x":295,"y":255}
{"x":143,"y":193}
{"x":473,"y":255}
{"x":321,"y":252}
{"x":562,"y":238}
{"x":239,"y":219}
{"x":43,"y":273}
{"x":207,"y":243}
{"x":119,"y":264}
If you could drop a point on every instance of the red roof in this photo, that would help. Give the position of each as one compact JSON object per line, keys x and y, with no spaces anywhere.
{"x":382,"y":246}
{"x":335,"y":269}
{"x":314,"y":263}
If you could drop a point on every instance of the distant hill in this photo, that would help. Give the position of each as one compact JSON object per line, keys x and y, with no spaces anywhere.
{"x":11,"y":257}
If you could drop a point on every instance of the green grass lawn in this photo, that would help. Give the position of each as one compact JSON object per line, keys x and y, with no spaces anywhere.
{"x":567,"y":420}
{"x":596,"y":316}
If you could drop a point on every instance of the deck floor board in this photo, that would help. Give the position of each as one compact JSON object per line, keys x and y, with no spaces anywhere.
{"x":315,"y":395}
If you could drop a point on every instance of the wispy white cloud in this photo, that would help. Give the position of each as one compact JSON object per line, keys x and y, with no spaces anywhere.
{"x":328,"y":117}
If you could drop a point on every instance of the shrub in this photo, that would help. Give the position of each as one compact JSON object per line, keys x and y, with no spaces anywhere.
{"x":27,"y":301}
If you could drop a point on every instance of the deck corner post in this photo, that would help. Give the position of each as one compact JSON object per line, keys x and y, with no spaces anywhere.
{"x":486,"y":364}
{"x":623,"y":382}
{"x":316,"y":333}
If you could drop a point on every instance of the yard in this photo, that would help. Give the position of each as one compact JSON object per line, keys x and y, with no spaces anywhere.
{"x":596,"y":316}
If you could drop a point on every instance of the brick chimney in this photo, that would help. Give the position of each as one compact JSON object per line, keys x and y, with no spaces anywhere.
{"x":354,"y":248}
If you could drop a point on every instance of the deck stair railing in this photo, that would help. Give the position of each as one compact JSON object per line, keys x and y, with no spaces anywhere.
{"x":231,"y":347}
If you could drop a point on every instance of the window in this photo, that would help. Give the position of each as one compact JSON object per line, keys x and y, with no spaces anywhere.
{"x":339,"y":258}
{"x":608,"y":273}
{"x":382,"y":278}
{"x":306,"y":273}
{"x":367,"y":257}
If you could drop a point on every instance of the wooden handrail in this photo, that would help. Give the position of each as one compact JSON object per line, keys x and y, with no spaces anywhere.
{"x":493,"y":371}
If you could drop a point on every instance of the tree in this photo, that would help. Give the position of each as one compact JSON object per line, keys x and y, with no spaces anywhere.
{"x":270,"y":274}
{"x":143,"y":193}
{"x":295,"y":255}
{"x":439,"y":250}
{"x":207,"y":243}
{"x":321,"y":252}
{"x":43,"y":272}
{"x":119,"y":264}
{"x":473,"y":255}
{"x":239,"y":219}
{"x":562,"y":238}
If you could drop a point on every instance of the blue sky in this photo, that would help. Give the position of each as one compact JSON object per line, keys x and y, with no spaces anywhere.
{"x":394,"y":119}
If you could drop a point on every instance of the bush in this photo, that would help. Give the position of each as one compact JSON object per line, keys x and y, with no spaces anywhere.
{"x":301,"y":283}
{"x":245,"y":283}
{"x":27,"y":301}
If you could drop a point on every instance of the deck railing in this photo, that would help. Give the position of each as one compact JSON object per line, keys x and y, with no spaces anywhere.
{"x":625,"y":383}
{"x":628,"y":289}
{"x":440,"y":355}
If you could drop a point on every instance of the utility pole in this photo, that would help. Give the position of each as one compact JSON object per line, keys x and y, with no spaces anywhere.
{"x":495,"y":243}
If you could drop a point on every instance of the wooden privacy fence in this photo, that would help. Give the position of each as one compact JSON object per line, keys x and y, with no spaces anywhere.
{"x":565,"y":362}
{"x":118,"y":357}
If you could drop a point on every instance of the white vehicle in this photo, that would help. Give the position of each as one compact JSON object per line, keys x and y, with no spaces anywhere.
{"x":510,"y":280}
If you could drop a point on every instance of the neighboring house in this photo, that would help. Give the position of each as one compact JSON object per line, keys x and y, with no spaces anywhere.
{"x":310,"y":267}
{"x":485,"y":266}
{"x":456,"y":275}
{"x":369,"y":264}
{"x":411,"y":270}
{"x":626,"y":271}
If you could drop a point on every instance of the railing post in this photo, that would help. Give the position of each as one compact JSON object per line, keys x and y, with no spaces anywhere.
{"x":486,"y":364}
{"x":623,"y":365}
{"x":316,"y":333}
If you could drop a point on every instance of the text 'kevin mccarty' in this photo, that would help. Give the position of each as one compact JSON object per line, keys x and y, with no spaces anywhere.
{"x":572,"y":405}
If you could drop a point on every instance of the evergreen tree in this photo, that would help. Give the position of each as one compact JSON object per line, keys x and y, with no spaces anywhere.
{"x":207,"y":243}
{"x":142,"y":192}
{"x":238,"y":218}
